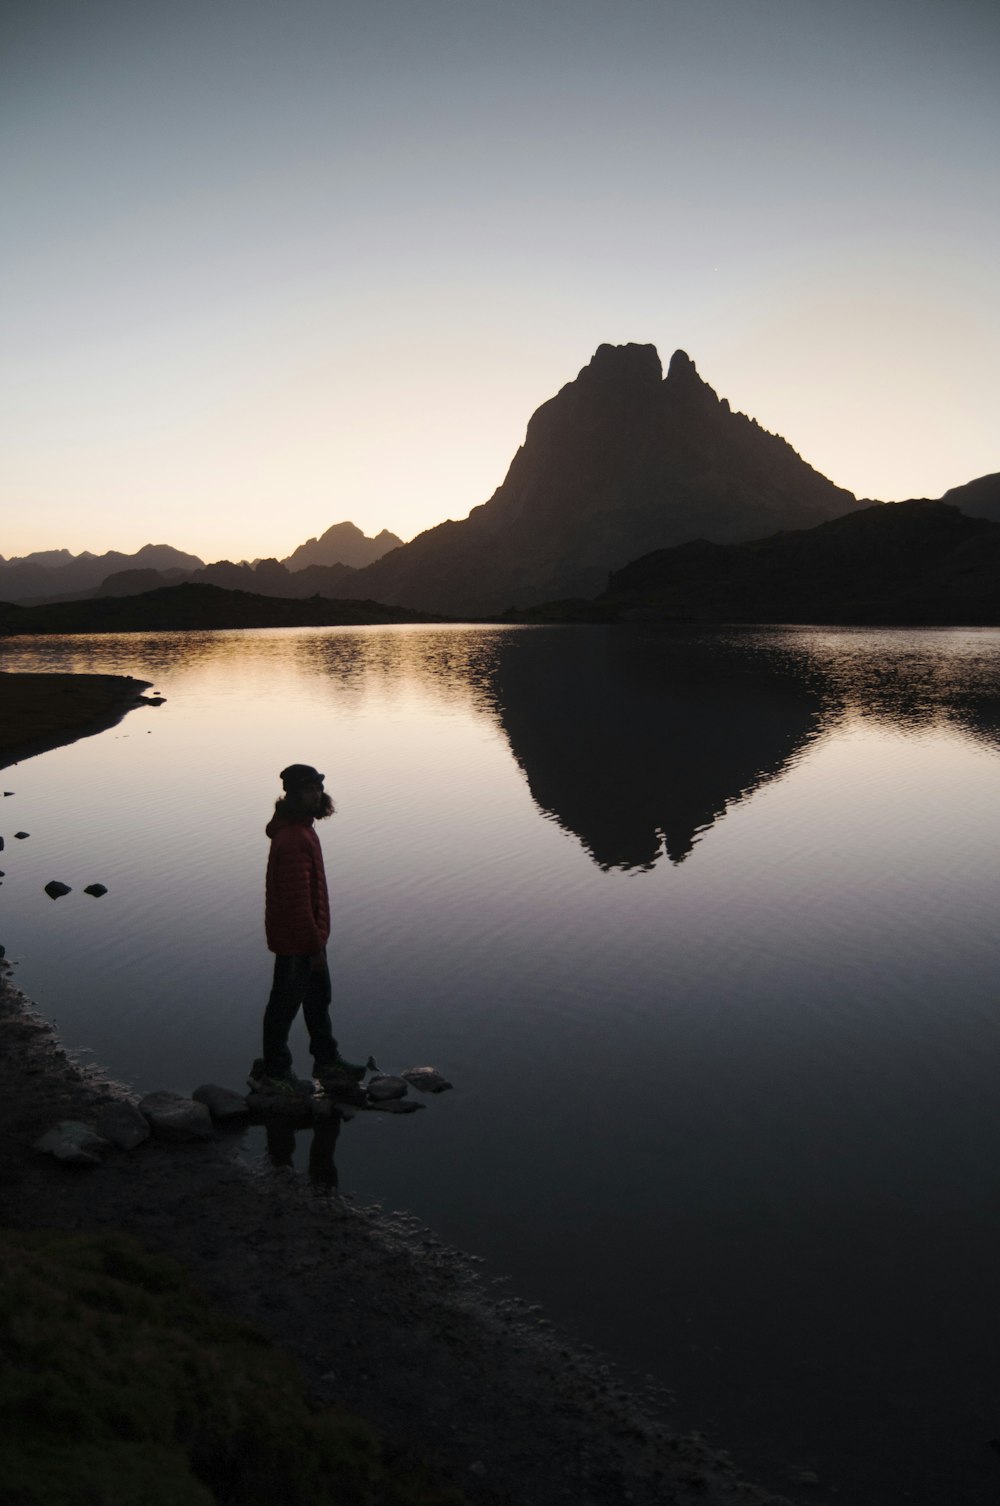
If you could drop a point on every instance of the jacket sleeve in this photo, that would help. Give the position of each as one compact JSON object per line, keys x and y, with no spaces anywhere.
{"x":293,"y":925}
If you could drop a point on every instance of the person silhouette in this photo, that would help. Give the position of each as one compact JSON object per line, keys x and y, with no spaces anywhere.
{"x":297,"y":926}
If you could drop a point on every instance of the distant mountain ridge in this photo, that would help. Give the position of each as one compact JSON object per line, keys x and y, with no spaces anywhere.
{"x":621,"y":465}
{"x":56,"y":570}
{"x":58,"y":575}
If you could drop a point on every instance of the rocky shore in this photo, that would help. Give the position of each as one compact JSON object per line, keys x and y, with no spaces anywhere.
{"x":382,"y":1318}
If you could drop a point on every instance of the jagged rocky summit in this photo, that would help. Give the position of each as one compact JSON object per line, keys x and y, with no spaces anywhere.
{"x":342,"y":544}
{"x":621,"y":461}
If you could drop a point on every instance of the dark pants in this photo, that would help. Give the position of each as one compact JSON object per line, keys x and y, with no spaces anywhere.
{"x":296,"y":986}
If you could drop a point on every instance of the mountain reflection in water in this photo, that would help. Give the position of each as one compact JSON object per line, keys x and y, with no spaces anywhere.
{"x":638,"y":741}
{"x":638,"y":744}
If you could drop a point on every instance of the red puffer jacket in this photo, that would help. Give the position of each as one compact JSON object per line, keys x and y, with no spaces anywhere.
{"x":297,"y":908}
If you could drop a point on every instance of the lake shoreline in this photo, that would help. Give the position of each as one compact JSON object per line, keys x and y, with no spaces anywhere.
{"x":382,"y":1317}
{"x":39,"y":712}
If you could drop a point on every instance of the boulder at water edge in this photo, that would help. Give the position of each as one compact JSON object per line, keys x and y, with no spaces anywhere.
{"x":173,"y":1117}
{"x":123,"y":1125}
{"x":96,"y":890}
{"x":222,"y":1103}
{"x":427,"y":1079}
{"x":383,"y":1087}
{"x":71,"y":1141}
{"x":55,"y":890}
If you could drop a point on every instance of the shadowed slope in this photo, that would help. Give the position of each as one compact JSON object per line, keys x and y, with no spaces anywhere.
{"x":905,"y":562}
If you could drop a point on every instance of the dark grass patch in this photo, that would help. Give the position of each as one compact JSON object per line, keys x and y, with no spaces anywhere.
{"x":119,"y":1382}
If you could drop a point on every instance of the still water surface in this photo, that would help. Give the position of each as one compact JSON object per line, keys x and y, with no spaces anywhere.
{"x":702,"y":925}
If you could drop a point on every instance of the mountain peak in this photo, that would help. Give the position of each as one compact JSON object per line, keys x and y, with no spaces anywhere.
{"x":342,"y":544}
{"x":624,"y":363}
{"x":681,"y":366}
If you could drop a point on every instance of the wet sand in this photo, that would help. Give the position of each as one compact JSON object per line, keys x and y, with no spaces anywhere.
{"x":383,"y":1318}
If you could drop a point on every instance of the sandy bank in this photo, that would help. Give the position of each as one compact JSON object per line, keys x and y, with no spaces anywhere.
{"x":382,"y":1317}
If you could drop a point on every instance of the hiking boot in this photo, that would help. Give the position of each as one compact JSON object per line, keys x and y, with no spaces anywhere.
{"x":283,"y":1085}
{"x":338,"y":1068}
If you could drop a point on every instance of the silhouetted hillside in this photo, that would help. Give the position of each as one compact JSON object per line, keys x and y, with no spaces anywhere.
{"x":621,"y":461}
{"x":979,"y":498}
{"x":190,"y":607}
{"x":904,"y":562}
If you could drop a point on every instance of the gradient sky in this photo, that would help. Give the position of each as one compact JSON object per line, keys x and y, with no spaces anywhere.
{"x":268,"y":266}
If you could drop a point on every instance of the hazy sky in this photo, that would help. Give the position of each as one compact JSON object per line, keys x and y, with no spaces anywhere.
{"x":268,"y":266}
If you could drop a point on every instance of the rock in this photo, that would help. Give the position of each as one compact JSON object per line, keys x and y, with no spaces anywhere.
{"x":8,"y":792}
{"x":55,"y":890}
{"x":384,"y":1087}
{"x":72,"y":1141}
{"x":19,"y":836}
{"x":123,"y":1125}
{"x":427,"y":1079}
{"x":175,"y":1118}
{"x":395,"y":1106}
{"x":96,"y":890}
{"x":223,"y":1104}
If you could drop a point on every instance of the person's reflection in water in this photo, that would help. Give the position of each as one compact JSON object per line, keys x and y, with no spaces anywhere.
{"x":281,"y":1137}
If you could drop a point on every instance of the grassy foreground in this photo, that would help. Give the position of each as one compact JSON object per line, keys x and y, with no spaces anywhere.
{"x":119,"y":1382}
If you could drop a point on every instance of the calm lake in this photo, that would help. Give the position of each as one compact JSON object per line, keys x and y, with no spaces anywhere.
{"x":702,"y":926}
